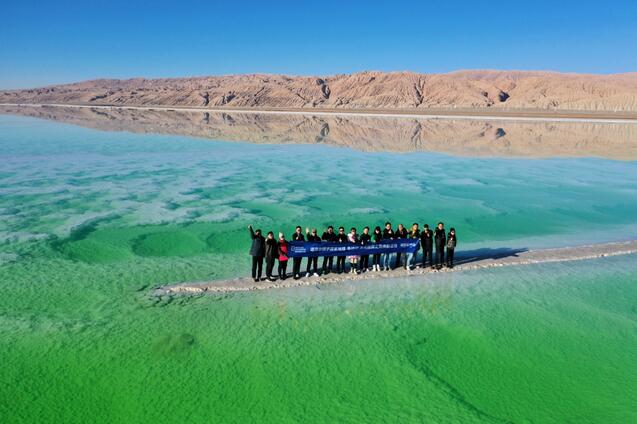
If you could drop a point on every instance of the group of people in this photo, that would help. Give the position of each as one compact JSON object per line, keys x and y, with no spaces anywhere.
{"x":270,"y":249}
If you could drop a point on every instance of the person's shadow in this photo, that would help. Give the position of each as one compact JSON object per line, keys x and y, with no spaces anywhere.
{"x":468,"y":256}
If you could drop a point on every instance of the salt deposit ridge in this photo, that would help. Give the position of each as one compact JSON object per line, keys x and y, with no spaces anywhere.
{"x":468,"y":260}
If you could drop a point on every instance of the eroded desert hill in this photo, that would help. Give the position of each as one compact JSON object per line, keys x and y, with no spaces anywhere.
{"x":365,"y":90}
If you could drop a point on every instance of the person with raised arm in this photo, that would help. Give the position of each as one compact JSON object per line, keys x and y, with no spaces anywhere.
{"x":257,"y":251}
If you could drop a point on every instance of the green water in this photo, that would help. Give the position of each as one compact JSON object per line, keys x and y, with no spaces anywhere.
{"x":90,"y":221}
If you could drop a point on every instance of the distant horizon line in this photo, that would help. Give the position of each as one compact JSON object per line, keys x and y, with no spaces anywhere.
{"x":520,"y":115}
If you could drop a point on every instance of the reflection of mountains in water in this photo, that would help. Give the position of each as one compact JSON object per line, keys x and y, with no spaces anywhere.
{"x":365,"y":133}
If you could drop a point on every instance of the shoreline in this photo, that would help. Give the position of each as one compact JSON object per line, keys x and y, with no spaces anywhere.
{"x":465,"y":261}
{"x":449,"y":114}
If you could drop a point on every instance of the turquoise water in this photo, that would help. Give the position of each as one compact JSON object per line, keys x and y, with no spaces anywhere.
{"x":91,"y":221}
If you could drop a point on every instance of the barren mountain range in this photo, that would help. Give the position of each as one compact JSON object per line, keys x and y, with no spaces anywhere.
{"x":362,"y":132}
{"x":476,"y":90}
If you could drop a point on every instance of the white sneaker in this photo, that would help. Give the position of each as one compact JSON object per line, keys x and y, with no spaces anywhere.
{"x":315,"y":274}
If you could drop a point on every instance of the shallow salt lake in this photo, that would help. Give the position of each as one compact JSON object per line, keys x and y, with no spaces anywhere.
{"x":92,"y":220}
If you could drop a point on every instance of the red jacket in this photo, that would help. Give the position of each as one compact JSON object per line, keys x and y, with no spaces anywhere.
{"x":283,"y":251}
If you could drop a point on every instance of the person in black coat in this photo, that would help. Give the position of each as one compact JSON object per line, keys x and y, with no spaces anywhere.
{"x":330,"y":237}
{"x":441,"y":240}
{"x":257,"y":251}
{"x":271,"y":254}
{"x":341,"y":237}
{"x":296,"y":262}
{"x":364,"y":239}
{"x":452,"y":240}
{"x":388,"y":234}
{"x":312,"y":260}
{"x":401,"y":233}
{"x":427,"y":244}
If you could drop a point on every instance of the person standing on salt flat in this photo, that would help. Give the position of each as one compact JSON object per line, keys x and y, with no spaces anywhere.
{"x":365,"y":239}
{"x":401,"y":233}
{"x":257,"y":251}
{"x":341,"y":237}
{"x":427,"y":244}
{"x":283,"y":257}
{"x":271,"y":254}
{"x":377,"y":237}
{"x":440,"y":239}
{"x":411,"y":257}
{"x":312,"y":261}
{"x":451,"y":246}
{"x":296,"y":262}
{"x":352,"y":237}
{"x":330,"y":237}
{"x":388,"y":234}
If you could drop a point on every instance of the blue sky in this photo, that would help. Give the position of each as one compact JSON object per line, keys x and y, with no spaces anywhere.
{"x":45,"y":42}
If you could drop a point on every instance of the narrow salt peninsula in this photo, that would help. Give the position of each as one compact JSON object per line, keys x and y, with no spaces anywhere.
{"x":465,"y":261}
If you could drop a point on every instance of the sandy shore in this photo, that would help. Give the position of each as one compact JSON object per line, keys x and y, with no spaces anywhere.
{"x":471,"y":260}
{"x":470,"y":114}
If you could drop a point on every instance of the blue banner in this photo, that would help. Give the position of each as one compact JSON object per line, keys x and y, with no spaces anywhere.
{"x":301,"y":249}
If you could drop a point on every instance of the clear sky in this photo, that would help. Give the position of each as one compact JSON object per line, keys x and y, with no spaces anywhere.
{"x":45,"y":42}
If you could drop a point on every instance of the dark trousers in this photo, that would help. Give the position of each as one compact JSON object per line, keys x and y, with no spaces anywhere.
{"x":376,"y":259}
{"x":312,"y":263}
{"x":269,"y":266}
{"x":399,"y":257}
{"x":427,"y":256}
{"x":440,"y":255}
{"x":364,"y":262}
{"x":296,"y":266}
{"x":450,"y":256}
{"x":328,"y":261}
{"x":283,"y":266}
{"x":257,"y":266}
{"x":340,"y":264}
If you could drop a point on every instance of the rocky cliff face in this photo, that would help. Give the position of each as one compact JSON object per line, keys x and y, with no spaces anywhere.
{"x":365,"y":90}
